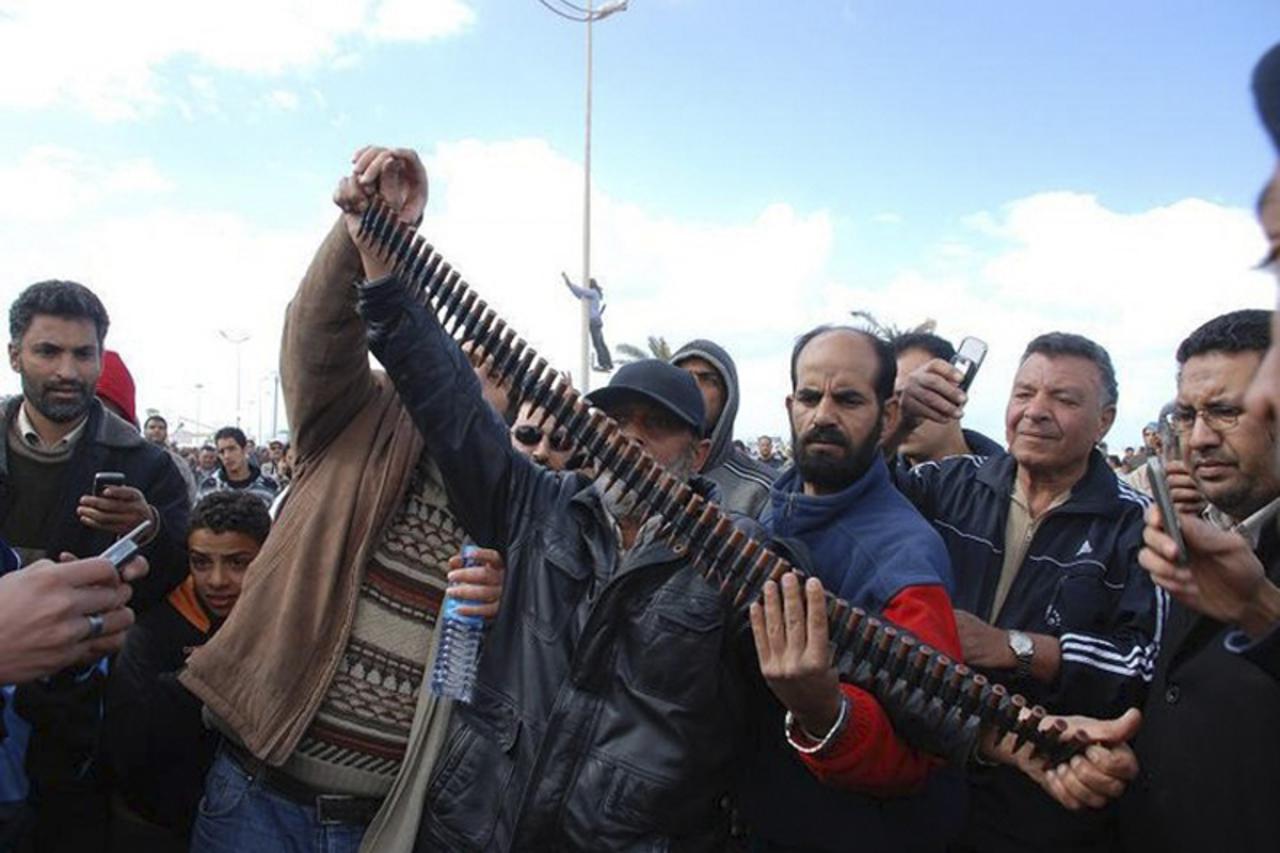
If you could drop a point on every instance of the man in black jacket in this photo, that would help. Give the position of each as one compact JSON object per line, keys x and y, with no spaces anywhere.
{"x":1209,"y":706}
{"x":57,"y":436}
{"x":1048,"y":593}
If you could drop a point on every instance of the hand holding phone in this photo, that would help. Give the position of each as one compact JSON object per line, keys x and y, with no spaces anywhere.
{"x":126,"y":547}
{"x":103,"y":480}
{"x":968,"y":359}
{"x":114,"y":506}
{"x":1164,"y":500}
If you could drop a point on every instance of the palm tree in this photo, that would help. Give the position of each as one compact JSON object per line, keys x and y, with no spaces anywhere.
{"x":658,"y":348}
{"x":889,"y":331}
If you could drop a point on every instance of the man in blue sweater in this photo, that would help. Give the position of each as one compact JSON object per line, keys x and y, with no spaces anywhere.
{"x":824,"y":772}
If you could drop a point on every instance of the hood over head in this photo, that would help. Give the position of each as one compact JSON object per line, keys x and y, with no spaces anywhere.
{"x":721,"y":434}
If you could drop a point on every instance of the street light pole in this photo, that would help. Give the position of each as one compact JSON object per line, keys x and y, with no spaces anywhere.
{"x":585,"y":305}
{"x":199,"y":394}
{"x":588,"y":16}
{"x":237,"y":338}
{"x":275,"y":403}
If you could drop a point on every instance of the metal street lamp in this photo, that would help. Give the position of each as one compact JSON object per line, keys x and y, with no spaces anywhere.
{"x":237,"y":337}
{"x":199,"y":394}
{"x":588,"y":16}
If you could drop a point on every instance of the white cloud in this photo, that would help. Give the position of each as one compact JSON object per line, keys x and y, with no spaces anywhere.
{"x":170,"y":280}
{"x":110,"y":58}
{"x":283,"y":99}
{"x":1137,"y":283}
{"x":419,"y":20}
{"x":170,"y":277}
{"x":56,"y":183}
{"x":887,"y":218}
{"x":509,"y":216}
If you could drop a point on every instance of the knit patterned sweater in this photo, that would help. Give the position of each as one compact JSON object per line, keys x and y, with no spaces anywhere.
{"x":358,"y":737}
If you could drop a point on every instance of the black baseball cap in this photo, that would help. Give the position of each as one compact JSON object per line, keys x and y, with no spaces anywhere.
{"x":657,"y":381}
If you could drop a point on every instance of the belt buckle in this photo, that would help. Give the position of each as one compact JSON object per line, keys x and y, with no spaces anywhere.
{"x":327,"y":805}
{"x":334,"y":809}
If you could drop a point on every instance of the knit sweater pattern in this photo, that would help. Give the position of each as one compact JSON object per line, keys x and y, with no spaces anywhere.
{"x":357,"y":740}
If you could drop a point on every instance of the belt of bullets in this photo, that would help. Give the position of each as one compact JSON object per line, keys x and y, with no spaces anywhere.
{"x":942,"y":698}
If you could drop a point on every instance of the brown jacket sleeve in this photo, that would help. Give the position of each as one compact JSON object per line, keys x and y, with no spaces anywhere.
{"x":324,"y":360}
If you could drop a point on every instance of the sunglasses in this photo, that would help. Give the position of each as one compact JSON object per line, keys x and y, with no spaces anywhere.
{"x":531,"y":436}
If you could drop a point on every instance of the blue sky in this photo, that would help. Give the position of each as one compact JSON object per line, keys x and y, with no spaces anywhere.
{"x":759,"y":167}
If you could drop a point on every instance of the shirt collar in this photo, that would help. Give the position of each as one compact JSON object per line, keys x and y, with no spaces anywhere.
{"x":1251,"y":528}
{"x":1019,"y":497}
{"x":28,"y":432}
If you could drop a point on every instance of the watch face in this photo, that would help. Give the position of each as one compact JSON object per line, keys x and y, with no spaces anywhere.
{"x":1021,"y":644}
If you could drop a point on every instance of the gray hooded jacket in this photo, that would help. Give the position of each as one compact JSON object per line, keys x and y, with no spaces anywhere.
{"x":743,"y":482}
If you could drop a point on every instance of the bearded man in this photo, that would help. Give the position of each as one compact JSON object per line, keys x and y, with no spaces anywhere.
{"x":871,"y":548}
{"x":57,"y":436}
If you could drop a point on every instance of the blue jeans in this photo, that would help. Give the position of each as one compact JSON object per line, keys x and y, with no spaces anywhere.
{"x":238,"y":815}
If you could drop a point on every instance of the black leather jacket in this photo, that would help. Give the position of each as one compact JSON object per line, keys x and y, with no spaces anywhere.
{"x":611,"y":703}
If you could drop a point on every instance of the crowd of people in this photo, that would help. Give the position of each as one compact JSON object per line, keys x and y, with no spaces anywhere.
{"x":255,"y":678}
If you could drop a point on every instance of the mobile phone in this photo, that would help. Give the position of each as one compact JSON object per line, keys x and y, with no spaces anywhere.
{"x":124,"y":548}
{"x":968,"y":359}
{"x":1164,"y":500}
{"x":104,"y":479}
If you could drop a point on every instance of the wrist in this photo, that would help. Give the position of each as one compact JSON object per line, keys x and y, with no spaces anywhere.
{"x":154,"y":530}
{"x":805,"y":741}
{"x":1261,"y":612}
{"x":1020,"y":650}
{"x":375,"y":268}
{"x":820,"y":719}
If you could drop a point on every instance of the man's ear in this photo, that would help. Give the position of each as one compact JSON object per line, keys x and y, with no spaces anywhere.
{"x":701,"y":450}
{"x":890,"y":417}
{"x":15,"y":350}
{"x":1104,"y":423}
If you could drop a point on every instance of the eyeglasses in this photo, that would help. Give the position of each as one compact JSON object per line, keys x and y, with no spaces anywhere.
{"x":1219,"y":418}
{"x":531,"y":436}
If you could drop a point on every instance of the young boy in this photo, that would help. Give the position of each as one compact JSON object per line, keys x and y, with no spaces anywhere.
{"x":154,"y":742}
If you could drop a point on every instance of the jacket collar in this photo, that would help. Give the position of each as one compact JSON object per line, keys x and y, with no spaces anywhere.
{"x":979,"y":444}
{"x":185,"y":600}
{"x":1098,"y":491}
{"x":29,"y":434}
{"x":788,"y":499}
{"x":101,"y":426}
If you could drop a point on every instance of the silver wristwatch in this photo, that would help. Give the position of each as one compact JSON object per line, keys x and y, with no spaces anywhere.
{"x":1024,"y":650}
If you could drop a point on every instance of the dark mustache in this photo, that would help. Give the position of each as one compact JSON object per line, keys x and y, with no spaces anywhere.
{"x":827,"y":435}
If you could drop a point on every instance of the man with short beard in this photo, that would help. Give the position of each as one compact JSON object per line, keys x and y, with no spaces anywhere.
{"x":1044,"y":543}
{"x":808,"y":788}
{"x":57,"y":436}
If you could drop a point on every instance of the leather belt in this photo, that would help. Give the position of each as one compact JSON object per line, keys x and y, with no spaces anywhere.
{"x":330,"y":808}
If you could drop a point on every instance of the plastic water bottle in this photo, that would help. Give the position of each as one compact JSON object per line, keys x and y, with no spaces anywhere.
{"x":454,"y":675}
